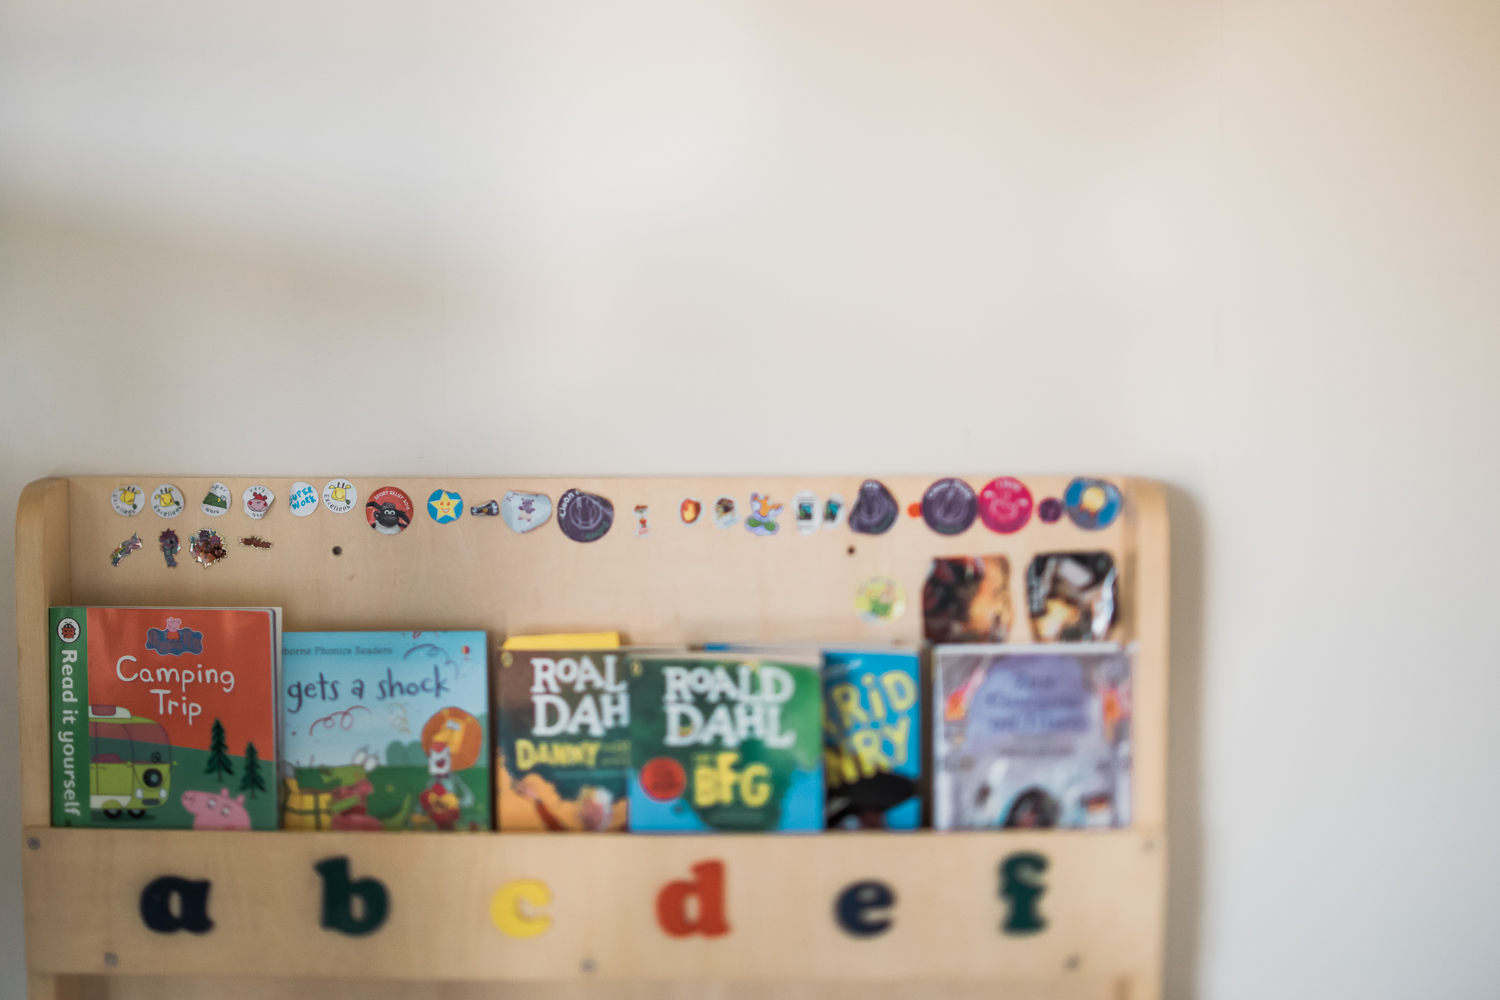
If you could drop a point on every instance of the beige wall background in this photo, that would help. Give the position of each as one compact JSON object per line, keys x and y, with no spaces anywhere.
{"x":1249,"y":248}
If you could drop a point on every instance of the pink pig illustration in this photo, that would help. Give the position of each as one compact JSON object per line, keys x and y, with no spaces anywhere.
{"x":216,"y":812}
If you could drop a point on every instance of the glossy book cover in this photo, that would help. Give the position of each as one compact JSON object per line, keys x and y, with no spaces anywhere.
{"x":385,"y":731}
{"x":726,"y":743}
{"x":872,"y":739}
{"x":562,"y":756}
{"x":164,"y":718}
{"x":1032,"y":737}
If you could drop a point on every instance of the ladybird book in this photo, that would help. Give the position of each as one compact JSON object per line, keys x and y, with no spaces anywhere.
{"x":164,"y":718}
{"x":562,"y":757}
{"x":726,"y":743}
{"x":385,"y":731}
{"x":1032,"y":736}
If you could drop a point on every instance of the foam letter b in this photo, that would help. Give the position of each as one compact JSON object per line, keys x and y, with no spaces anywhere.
{"x":707,"y":888}
{"x":192,"y":903}
{"x":338,"y":899}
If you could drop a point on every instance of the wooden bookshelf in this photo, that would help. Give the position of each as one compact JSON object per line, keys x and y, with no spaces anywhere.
{"x":1103,"y":895}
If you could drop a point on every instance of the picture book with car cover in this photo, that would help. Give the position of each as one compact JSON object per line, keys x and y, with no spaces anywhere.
{"x":164,"y":718}
{"x":1032,"y":736}
{"x":385,"y":731}
{"x":562,"y":753}
{"x":726,"y":743}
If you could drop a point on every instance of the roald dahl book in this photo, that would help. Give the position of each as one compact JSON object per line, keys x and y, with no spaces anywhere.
{"x":385,"y":731}
{"x":1032,"y":737}
{"x":725,"y":742}
{"x":562,"y":756}
{"x":164,"y":718}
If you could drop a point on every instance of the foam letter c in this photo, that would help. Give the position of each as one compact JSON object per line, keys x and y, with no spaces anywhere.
{"x":506,"y":912}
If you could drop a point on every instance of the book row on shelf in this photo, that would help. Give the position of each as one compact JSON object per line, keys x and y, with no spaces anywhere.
{"x":217,"y":719}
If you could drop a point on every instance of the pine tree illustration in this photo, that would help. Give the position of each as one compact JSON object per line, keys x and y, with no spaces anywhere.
{"x":252,"y":782}
{"x":218,"y":760}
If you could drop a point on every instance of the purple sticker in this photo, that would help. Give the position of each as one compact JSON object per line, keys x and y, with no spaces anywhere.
{"x":949,"y":506}
{"x":874,"y":510}
{"x":584,"y":517}
{"x":1049,"y":510}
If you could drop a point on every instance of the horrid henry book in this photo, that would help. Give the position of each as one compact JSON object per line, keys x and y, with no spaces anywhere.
{"x":164,"y":718}
{"x":1032,"y":737}
{"x":385,"y":731}
{"x":725,"y":742}
{"x":563,"y":753}
{"x":872,"y":739}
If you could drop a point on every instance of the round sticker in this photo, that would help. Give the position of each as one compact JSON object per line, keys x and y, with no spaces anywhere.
{"x":1005,"y":505}
{"x":524,"y":511}
{"x":389,"y":510}
{"x":689,"y":510}
{"x":216,"y":500}
{"x":875,"y":510}
{"x":340,"y":496}
{"x":584,"y":517}
{"x":663,"y":779}
{"x":67,"y":630}
{"x":880,"y":599}
{"x":128,"y":500}
{"x":444,"y":507}
{"x":257,"y":500}
{"x":1092,"y":503}
{"x":303,"y":499}
{"x":1049,"y":510}
{"x":166,"y":500}
{"x":725,"y":515}
{"x":949,"y":506}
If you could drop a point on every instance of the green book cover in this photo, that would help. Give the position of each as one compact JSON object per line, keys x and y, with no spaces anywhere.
{"x":726,"y":743}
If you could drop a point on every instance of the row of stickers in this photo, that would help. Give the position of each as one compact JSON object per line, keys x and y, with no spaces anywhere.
{"x":949,"y":507}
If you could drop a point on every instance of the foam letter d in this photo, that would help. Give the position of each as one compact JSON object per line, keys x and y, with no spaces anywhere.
{"x":707,"y":889}
{"x":338,"y":899}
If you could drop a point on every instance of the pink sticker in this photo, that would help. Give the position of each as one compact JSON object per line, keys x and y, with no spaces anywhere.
{"x":1005,"y":505}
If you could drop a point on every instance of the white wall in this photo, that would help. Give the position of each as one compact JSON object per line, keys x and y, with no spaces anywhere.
{"x":1247,"y":247}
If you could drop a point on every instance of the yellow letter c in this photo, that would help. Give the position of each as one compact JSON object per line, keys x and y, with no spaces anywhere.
{"x":506,"y":912}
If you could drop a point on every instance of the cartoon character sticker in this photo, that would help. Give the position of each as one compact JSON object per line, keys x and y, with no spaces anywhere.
{"x":725,"y":515}
{"x":1005,"y":505}
{"x":1092,"y":504}
{"x":170,"y":546}
{"x":303,"y":499}
{"x":452,"y":739}
{"x":389,"y":510}
{"x":257,"y":500}
{"x":128,"y":501}
{"x":524,"y":511}
{"x":761,"y":520}
{"x":207,"y":547}
{"x":880,"y":599}
{"x":124,"y":549}
{"x":166,"y":500}
{"x":642,"y":520}
{"x":805,"y":512}
{"x":833,"y":511}
{"x":689,"y":510}
{"x":216,"y":500}
{"x":340,"y":496}
{"x":445,"y":507}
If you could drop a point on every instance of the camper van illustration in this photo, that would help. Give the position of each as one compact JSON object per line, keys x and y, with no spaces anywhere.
{"x":130,"y":763}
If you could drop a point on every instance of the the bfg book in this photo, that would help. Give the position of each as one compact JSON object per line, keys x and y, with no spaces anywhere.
{"x":562,"y":757}
{"x":1032,"y":736}
{"x":164,"y":718}
{"x":725,"y":742}
{"x":872,"y":739}
{"x":385,"y":731}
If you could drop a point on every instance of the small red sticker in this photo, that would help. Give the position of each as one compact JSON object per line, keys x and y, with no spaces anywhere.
{"x":663,"y":779}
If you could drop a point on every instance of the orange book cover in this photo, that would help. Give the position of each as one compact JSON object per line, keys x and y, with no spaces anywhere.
{"x":164,"y":717}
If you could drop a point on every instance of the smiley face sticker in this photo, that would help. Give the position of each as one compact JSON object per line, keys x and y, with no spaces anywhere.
{"x":389,"y":510}
{"x":257,"y":500}
{"x":445,"y":506}
{"x":128,"y":501}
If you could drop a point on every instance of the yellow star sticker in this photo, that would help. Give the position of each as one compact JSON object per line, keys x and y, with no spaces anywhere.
{"x":442,"y":507}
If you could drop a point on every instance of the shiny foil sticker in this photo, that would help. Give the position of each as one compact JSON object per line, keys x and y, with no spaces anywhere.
{"x":1092,"y":504}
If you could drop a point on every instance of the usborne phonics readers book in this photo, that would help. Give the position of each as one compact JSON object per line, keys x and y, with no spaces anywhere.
{"x":727,"y":742}
{"x":164,"y":718}
{"x":1032,"y":736}
{"x":562,"y":756}
{"x":385,"y":731}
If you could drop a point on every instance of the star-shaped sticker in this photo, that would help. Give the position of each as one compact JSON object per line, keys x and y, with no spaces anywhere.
{"x":443,"y":506}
